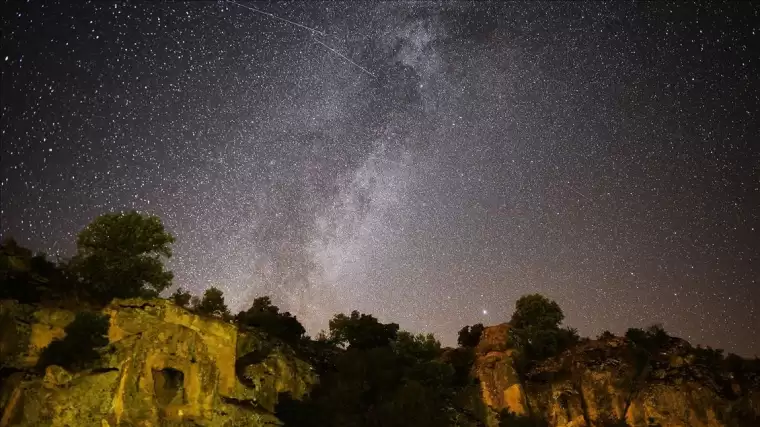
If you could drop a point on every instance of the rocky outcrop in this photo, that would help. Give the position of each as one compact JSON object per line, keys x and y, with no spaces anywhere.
{"x":163,"y":366}
{"x":598,"y":384}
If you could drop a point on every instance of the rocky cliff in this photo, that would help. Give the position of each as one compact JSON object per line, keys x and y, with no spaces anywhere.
{"x":164,"y":366}
{"x":599,"y":383}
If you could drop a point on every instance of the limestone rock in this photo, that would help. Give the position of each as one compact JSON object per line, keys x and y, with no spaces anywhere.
{"x":596,"y":381}
{"x":163,"y":366}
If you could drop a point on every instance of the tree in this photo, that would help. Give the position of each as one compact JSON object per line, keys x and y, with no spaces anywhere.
{"x":418,"y":347}
{"x":212,"y":303}
{"x":361,"y":331}
{"x":79,"y":348}
{"x":29,"y":277}
{"x":121,"y":255}
{"x":536,"y":311}
{"x":469,"y":336}
{"x":181,"y":297}
{"x":535,"y":330}
{"x":651,"y":339}
{"x":264,"y":315}
{"x":381,"y":383}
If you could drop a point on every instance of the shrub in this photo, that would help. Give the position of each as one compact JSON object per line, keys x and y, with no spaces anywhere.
{"x":79,"y":348}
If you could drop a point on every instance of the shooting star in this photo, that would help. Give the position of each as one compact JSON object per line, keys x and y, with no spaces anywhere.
{"x":346,"y":58}
{"x":312,"y":30}
{"x":271,"y":15}
{"x":579,"y":193}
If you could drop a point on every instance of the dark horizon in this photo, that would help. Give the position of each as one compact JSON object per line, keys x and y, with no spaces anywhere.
{"x":425,"y":163}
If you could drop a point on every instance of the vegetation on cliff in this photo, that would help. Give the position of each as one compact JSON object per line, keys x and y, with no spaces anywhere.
{"x":79,"y":348}
{"x":371,"y":373}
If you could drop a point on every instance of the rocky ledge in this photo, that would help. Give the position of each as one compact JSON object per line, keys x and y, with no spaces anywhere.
{"x":163,"y":366}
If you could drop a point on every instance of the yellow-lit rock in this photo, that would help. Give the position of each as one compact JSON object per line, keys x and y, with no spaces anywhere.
{"x":164,"y":366}
{"x":593,"y":383}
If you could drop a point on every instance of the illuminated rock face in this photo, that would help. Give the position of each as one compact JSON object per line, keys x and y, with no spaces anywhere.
{"x":164,"y":366}
{"x":596,"y":381}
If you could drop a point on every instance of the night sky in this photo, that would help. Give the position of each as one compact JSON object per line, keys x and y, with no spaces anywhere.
{"x":428,"y":163}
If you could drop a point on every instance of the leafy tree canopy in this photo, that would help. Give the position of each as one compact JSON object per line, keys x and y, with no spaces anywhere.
{"x":418,"y":347}
{"x":181,"y":297}
{"x":122,"y":255}
{"x":536,"y":311}
{"x":469,"y":336}
{"x":651,"y":339}
{"x":212,"y":303}
{"x":264,"y":315}
{"x":535,"y":329}
{"x":361,"y":331}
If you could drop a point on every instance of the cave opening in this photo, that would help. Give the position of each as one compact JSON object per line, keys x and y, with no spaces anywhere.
{"x":169,"y":386}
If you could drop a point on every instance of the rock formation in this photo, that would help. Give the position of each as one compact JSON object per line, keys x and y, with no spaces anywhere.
{"x":163,"y":366}
{"x":597,"y":384}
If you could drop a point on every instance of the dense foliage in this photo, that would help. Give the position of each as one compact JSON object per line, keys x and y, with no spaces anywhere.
{"x":469,"y":336}
{"x":361,"y":331}
{"x":371,"y":373}
{"x":181,"y":297}
{"x":212,"y":303}
{"x":267,"y":317}
{"x":121,"y":255}
{"x":78,"y":349}
{"x":29,"y":277}
{"x":384,"y":377}
{"x":535,"y":329}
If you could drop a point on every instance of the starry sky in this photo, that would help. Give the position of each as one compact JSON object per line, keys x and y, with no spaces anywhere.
{"x":425,"y":162}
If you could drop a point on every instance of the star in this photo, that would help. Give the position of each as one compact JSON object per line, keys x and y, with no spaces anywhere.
{"x":477,"y":150}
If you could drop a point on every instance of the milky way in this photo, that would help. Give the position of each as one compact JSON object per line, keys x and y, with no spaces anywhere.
{"x":425,"y":162}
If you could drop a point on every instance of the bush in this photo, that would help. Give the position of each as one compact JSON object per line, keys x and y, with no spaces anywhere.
{"x":267,"y":317}
{"x":361,"y":331}
{"x":469,"y":336}
{"x":79,"y":348}
{"x":212,"y":303}
{"x":709,"y":357}
{"x":181,"y":297}
{"x":652,"y":339}
{"x":28,"y":277}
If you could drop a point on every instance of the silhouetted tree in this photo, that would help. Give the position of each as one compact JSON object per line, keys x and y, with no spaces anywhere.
{"x":79,"y":348}
{"x":212,"y":303}
{"x":181,"y":297}
{"x":645,"y":344}
{"x":122,"y":255}
{"x":469,"y":336}
{"x":395,"y":381}
{"x":267,"y":317}
{"x":418,"y":347}
{"x":535,"y":330}
{"x":361,"y":331}
{"x":536,"y":311}
{"x":29,"y":277}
